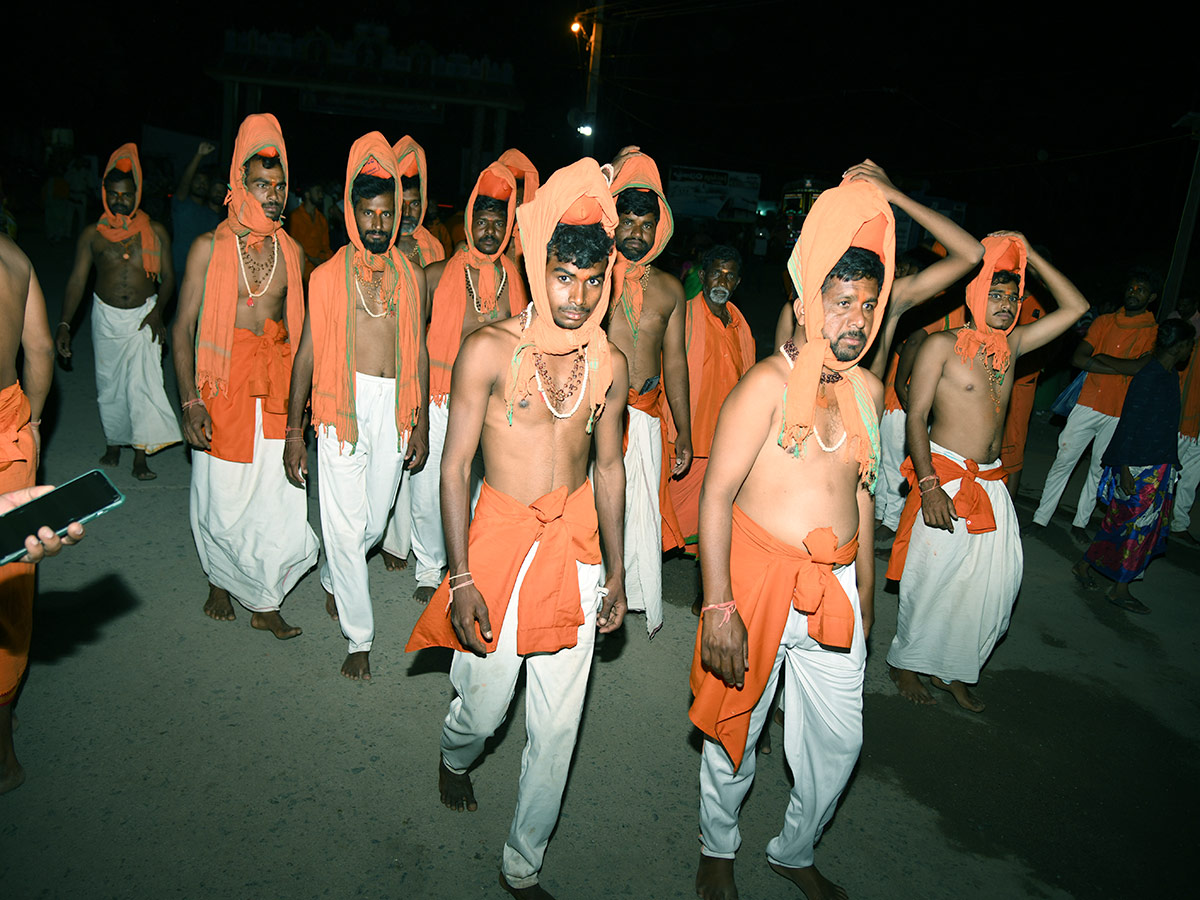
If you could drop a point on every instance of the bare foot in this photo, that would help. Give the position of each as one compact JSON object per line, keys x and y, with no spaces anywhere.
{"x":1080,"y":535}
{"x":533,"y":892}
{"x":217,"y":606}
{"x":141,"y":471}
{"x":959,"y":692}
{"x":910,"y":686}
{"x":1185,"y":539}
{"x":357,"y":666}
{"x":424,"y":593}
{"x":1083,"y":575}
{"x":456,"y":790}
{"x":393,"y":563}
{"x":764,"y":740}
{"x":714,"y":878}
{"x":112,"y":456}
{"x":330,"y":606}
{"x":815,"y":885}
{"x":273,"y":622}
{"x":1126,"y":600}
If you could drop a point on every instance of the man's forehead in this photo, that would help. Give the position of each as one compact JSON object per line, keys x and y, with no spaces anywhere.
{"x":411,"y":193}
{"x":554,"y":264}
{"x":257,"y":171}
{"x":842,"y":288}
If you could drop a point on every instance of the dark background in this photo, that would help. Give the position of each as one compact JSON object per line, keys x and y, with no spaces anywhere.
{"x":1062,"y":131}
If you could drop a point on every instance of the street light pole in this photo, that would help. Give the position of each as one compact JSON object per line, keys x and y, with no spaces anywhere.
{"x":593,"y":82}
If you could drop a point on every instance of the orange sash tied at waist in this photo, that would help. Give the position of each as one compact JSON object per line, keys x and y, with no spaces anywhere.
{"x":14,"y":416}
{"x":549,"y":615}
{"x":262,"y":368}
{"x":971,"y":502}
{"x":768,"y":578}
{"x":652,"y":403}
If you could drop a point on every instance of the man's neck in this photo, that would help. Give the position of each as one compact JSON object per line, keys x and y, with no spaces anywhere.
{"x":309,"y":206}
{"x":720,"y":310}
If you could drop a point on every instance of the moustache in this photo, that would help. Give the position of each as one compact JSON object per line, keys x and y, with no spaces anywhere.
{"x":719,"y":295}
{"x":634,"y":248}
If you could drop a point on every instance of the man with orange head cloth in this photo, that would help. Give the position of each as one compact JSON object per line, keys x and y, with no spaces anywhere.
{"x":362,"y":358}
{"x":134,"y":279}
{"x":538,"y":392}
{"x":959,"y":562}
{"x":526,"y":175}
{"x":478,"y":285}
{"x":786,"y":547}
{"x":241,"y":304}
{"x":647,"y":323}
{"x":415,"y":241}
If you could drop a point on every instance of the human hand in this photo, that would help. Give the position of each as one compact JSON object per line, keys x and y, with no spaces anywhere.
{"x":873,"y":174}
{"x":205,"y":148}
{"x":724,"y":645}
{"x":613,"y":606}
{"x":466,"y":608}
{"x":683,"y":457}
{"x":62,"y":340}
{"x":46,"y":542}
{"x":938,"y":509}
{"x":197,"y":426}
{"x":158,"y":331}
{"x":295,"y":460}
{"x":418,"y":446}
{"x":1128,"y":485}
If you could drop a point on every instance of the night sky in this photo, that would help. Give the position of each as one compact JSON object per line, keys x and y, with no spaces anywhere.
{"x":1048,"y":133}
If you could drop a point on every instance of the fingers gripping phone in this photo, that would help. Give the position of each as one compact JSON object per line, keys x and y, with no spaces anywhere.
{"x":79,"y":500}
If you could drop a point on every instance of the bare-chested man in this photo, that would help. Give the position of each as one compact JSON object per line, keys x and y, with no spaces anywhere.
{"x":537,"y":392}
{"x":241,"y":301}
{"x":476,"y":286}
{"x":647,"y":324}
{"x":416,"y":241}
{"x":786,"y":546}
{"x":131,"y":252}
{"x":960,"y":563}
{"x":368,"y":394}
{"x":23,"y":329}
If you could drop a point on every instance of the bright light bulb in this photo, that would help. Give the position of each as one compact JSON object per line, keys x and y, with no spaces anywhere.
{"x":576,"y":27}
{"x":585,"y":130}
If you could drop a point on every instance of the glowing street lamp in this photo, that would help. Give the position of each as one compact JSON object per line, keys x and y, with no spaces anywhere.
{"x":585,"y":130}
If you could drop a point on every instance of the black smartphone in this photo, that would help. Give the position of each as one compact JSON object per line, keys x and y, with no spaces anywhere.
{"x":79,"y":500}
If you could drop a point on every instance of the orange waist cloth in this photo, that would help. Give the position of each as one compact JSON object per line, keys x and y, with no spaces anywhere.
{"x":652,"y":403}
{"x":971,"y":503}
{"x":768,"y":578}
{"x":261,"y":366}
{"x":1126,"y":337}
{"x":502,"y":531}
{"x":17,"y":455}
{"x":450,"y":308}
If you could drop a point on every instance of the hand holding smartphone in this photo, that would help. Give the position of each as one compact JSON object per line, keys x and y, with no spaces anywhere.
{"x":79,"y":500}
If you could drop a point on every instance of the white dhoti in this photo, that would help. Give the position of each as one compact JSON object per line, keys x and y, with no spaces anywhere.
{"x":643,"y":518}
{"x":889,"y":502}
{"x":958,"y":589}
{"x":822,"y":736}
{"x":134,"y":410}
{"x":555,"y":687}
{"x":1084,"y":425}
{"x":251,"y":524}
{"x":416,"y":518}
{"x":1185,"y":488}
{"x":357,"y":490}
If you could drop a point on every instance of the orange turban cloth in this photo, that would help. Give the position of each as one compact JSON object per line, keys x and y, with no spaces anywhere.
{"x":855,"y":214}
{"x":1003,"y":253}
{"x":410,"y":162}
{"x":640,"y":173}
{"x":113,"y":227}
{"x":520,"y":166}
{"x":575,"y":195}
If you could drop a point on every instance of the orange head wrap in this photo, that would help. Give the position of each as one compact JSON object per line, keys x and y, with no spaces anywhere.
{"x":640,"y":173}
{"x":854,"y":214}
{"x":498,"y":182}
{"x":410,"y":161}
{"x":520,"y":166}
{"x":575,"y":195}
{"x":259,"y":135}
{"x":999,"y":253}
{"x":113,"y":227}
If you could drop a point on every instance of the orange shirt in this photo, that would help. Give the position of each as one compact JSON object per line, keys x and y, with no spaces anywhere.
{"x":312,"y":234}
{"x":1123,"y":336}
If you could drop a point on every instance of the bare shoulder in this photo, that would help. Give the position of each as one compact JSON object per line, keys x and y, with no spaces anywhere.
{"x":667,"y":287}
{"x":763,"y":384}
{"x":874,"y":385}
{"x":13,"y":259}
{"x":940,"y":342}
{"x":498,"y":339}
